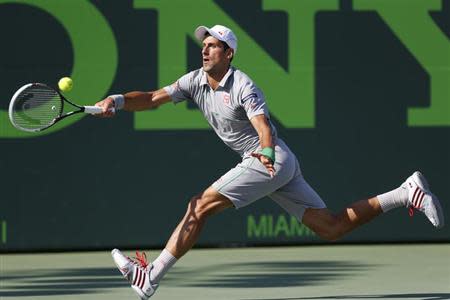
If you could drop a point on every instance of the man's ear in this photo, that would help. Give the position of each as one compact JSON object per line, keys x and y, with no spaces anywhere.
{"x":230,"y":53}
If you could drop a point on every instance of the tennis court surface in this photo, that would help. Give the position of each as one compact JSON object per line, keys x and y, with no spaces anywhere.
{"x":416,"y":271}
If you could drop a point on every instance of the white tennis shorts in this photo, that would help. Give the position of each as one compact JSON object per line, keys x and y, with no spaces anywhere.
{"x":250,"y":181}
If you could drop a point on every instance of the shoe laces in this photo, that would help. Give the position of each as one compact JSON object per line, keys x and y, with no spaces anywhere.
{"x":141,"y":258}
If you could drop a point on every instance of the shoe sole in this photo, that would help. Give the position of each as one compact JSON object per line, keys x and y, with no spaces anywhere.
{"x":439,"y":210}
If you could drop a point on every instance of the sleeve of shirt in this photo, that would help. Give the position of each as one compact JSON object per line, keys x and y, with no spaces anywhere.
{"x":181,"y":89}
{"x":253,"y":102}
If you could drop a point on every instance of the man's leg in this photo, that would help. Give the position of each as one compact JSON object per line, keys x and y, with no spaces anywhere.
{"x":188,"y":230}
{"x":143,"y":276}
{"x":413,"y":193}
{"x":331,"y":227}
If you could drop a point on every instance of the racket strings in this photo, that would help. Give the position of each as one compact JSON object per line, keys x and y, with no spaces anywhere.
{"x":36,"y":108}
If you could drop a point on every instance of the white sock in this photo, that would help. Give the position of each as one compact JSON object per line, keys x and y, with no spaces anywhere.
{"x":393,"y":199}
{"x":161,"y":265}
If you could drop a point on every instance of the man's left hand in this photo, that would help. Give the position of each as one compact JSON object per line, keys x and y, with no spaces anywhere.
{"x":267,"y":162}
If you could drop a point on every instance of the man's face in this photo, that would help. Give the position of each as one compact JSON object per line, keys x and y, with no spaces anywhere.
{"x":215,"y":59}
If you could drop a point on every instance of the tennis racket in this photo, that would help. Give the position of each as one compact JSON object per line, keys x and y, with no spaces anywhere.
{"x":36,"y":107}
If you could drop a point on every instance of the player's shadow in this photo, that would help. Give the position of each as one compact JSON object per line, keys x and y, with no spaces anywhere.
{"x":266,"y":274}
{"x":46,"y":282}
{"x":422,"y":296}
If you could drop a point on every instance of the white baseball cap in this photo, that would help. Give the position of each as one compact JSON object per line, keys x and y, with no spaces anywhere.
{"x":220,"y":32}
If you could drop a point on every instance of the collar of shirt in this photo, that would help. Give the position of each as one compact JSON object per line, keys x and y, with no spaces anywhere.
{"x":204,"y":80}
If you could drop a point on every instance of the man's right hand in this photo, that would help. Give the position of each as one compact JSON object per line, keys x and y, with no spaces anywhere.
{"x":107,"y":105}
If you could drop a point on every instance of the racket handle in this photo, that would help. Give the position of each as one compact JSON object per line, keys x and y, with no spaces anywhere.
{"x":95,"y":110}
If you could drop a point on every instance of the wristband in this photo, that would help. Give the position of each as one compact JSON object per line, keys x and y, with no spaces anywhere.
{"x":119,"y":101}
{"x":269,"y":153}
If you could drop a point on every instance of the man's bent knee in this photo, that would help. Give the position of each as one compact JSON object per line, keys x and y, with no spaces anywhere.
{"x":207,"y":203}
{"x":323,"y":223}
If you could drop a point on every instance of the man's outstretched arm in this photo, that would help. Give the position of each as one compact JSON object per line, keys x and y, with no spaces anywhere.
{"x":133,"y":101}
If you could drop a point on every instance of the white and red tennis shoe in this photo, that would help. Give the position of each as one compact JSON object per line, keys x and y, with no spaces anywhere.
{"x":137,"y":272}
{"x":421,"y":198}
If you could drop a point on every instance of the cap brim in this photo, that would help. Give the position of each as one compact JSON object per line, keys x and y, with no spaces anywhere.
{"x":202,"y":30}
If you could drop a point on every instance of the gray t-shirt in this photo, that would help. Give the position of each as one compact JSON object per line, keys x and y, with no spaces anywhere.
{"x":228,"y":109}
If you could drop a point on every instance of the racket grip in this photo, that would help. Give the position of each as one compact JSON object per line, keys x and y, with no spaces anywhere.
{"x":95,"y":110}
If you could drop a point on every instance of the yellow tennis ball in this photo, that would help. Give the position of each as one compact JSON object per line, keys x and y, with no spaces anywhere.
{"x":65,"y":84}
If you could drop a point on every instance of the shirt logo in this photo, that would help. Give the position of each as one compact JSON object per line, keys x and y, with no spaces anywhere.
{"x":226,"y":99}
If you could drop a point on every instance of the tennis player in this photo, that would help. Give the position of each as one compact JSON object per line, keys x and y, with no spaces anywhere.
{"x":236,"y":109}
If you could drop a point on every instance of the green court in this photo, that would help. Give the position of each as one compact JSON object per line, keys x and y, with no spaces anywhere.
{"x":416,"y":271}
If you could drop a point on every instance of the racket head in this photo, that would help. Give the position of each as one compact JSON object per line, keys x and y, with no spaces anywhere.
{"x":35,"y":107}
